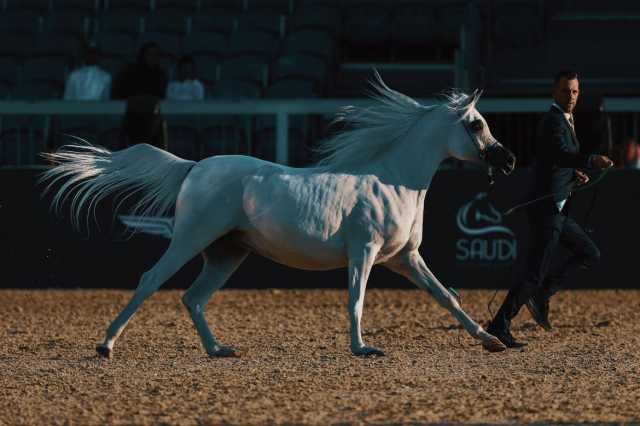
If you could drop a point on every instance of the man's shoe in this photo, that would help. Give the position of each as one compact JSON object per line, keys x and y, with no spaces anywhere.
{"x":506,"y":337}
{"x":539,"y":309}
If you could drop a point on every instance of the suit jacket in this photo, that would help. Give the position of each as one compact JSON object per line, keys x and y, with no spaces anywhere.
{"x":557,"y":156}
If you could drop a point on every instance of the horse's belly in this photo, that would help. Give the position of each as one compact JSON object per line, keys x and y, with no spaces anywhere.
{"x":295,"y":251}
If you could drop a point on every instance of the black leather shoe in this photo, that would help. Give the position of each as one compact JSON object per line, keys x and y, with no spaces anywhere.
{"x":538,"y":307}
{"x":506,"y":337}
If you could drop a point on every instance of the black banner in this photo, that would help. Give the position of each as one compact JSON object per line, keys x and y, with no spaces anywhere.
{"x":467,"y":241}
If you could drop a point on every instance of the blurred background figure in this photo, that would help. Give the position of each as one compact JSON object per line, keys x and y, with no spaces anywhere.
{"x":143,"y":122}
{"x":186,"y":87}
{"x":630,"y":154}
{"x":145,"y":77}
{"x":89,"y":82}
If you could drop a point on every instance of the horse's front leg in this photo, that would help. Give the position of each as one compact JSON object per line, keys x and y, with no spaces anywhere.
{"x":412,"y":266}
{"x":360,"y":264}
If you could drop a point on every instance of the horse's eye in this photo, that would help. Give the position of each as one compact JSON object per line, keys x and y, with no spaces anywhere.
{"x":476,"y":125}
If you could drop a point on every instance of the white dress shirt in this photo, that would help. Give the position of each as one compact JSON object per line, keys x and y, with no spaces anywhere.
{"x":188,"y":90}
{"x":88,"y":83}
{"x":569,"y":117}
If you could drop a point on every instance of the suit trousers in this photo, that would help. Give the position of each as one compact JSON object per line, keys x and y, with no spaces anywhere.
{"x":549,"y":229}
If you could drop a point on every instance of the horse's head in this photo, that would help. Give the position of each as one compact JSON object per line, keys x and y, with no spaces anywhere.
{"x":474,"y":141}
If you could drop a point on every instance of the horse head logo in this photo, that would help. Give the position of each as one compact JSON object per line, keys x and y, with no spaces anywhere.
{"x":479,"y":217}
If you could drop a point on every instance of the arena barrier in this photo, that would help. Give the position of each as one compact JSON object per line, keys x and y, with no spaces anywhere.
{"x":467,"y":242}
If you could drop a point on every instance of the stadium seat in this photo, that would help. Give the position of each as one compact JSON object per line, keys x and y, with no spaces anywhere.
{"x":207,"y":68}
{"x":316,"y":17}
{"x":235,"y":89}
{"x":17,"y":45}
{"x":57,"y":44}
{"x":69,"y":22}
{"x":45,"y":67}
{"x":292,"y":88}
{"x":88,"y":7}
{"x":218,"y":22}
{"x":118,"y":45}
{"x":310,"y":41}
{"x":210,"y":43}
{"x":188,"y":6}
{"x":299,"y":65}
{"x":367,"y":32}
{"x":517,"y":24}
{"x":282,"y":7}
{"x":232,"y":6}
{"x":254,"y":42}
{"x":412,"y":33}
{"x":140,"y":7}
{"x":39,"y":7}
{"x":121,"y":21}
{"x":20,"y":21}
{"x":171,"y":20}
{"x":449,"y":19}
{"x":263,"y":20}
{"x":245,"y":67}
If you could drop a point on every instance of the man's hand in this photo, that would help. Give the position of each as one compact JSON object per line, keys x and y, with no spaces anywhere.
{"x":581,"y":178}
{"x":601,"y":162}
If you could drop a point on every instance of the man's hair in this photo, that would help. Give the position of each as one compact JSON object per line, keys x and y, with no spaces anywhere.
{"x":568,"y":74}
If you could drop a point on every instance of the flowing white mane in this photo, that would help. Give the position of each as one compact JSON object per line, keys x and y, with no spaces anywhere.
{"x":373,"y":129}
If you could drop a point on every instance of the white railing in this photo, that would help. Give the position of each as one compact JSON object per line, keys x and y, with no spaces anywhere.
{"x":282,"y":109}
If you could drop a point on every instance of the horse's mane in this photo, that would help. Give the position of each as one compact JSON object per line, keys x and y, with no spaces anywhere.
{"x":374,"y":129}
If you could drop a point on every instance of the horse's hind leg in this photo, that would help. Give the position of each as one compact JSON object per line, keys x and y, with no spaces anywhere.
{"x":221,"y":259}
{"x":170,"y":262}
{"x":190,"y":238}
{"x":413,"y":267}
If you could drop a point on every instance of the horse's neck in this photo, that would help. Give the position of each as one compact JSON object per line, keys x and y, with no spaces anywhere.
{"x":414,"y":161}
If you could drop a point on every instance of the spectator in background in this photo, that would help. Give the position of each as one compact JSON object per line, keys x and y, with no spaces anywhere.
{"x":630,"y":154}
{"x":187,"y":87}
{"x":143,"y":122}
{"x":145,"y":77}
{"x":89,"y":82}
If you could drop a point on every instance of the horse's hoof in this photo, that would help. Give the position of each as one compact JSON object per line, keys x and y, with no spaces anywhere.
{"x":103,"y":351}
{"x":493,"y":344}
{"x":224,"y":352}
{"x":367,"y":351}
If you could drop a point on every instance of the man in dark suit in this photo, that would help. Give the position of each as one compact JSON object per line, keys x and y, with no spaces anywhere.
{"x":556,"y":171}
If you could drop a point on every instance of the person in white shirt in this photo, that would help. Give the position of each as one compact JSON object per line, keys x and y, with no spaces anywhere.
{"x":90,"y":82}
{"x":186,"y":87}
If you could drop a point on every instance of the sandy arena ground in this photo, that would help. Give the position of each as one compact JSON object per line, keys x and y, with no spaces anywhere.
{"x":295,"y":366}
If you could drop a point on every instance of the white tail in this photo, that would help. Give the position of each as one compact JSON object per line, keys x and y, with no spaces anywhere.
{"x":92,"y":173}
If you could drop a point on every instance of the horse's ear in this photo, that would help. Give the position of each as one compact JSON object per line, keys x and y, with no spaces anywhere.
{"x":475,"y":97}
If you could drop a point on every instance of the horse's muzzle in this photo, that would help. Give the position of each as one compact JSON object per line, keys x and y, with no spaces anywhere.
{"x":501,"y":158}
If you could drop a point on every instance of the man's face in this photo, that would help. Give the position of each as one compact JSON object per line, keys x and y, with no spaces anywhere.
{"x":565,"y":93}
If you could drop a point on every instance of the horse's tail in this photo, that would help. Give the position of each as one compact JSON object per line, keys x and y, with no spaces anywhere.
{"x":88,"y":174}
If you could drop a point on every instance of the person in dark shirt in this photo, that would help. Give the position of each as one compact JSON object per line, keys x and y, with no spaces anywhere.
{"x":143,"y":122}
{"x":145,"y":77}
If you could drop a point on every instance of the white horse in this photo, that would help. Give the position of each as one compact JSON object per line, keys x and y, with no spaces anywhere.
{"x":361,"y":205}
